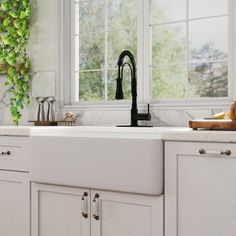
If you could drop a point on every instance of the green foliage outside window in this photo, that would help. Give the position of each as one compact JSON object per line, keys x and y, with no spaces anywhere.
{"x":173,"y":76}
{"x":121,"y":35}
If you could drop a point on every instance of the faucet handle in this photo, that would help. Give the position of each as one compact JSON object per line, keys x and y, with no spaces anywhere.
{"x":149,"y":115}
{"x":143,"y":116}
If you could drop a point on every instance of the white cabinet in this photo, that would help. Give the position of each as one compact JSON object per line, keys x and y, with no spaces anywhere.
{"x":59,"y":211}
{"x":200,"y":189}
{"x":14,"y":204}
{"x":14,"y":186}
{"x":119,"y":214}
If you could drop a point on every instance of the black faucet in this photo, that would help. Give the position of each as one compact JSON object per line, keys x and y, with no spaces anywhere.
{"x":135,"y":116}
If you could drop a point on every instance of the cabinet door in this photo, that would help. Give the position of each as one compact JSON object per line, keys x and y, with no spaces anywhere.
{"x":120,"y":214}
{"x":60,"y":211}
{"x":14,"y":204}
{"x":200,"y":190}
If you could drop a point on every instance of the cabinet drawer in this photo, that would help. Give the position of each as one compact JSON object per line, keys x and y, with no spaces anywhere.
{"x":14,"y":153}
{"x":206,"y":149}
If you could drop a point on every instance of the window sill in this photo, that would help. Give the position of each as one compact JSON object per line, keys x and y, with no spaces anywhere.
{"x":198,"y":104}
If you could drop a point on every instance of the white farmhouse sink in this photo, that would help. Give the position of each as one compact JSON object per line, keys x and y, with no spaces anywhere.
{"x":133,"y":165}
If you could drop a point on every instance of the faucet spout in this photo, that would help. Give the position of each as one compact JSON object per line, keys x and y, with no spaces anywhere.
{"x":135,"y":116}
{"x":119,"y":87}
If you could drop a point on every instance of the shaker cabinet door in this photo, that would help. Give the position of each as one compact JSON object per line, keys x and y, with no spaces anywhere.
{"x":120,"y":214}
{"x":200,"y":189}
{"x":14,"y":204}
{"x":60,"y":211}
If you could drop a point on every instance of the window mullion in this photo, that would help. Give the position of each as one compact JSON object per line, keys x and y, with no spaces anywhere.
{"x":106,"y":51}
{"x":187,"y":50}
{"x":74,"y":90}
{"x":189,"y":19}
{"x":231,"y":49}
{"x":146,"y":49}
{"x":140,"y":49}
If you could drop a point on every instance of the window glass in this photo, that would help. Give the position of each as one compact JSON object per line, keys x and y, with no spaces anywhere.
{"x":189,"y":48}
{"x":103,"y":29}
{"x":206,"y":8}
{"x":168,"y":11}
{"x":168,"y":82}
{"x":168,"y":44}
{"x":206,"y":43}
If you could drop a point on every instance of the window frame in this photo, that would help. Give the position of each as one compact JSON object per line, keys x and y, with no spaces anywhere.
{"x":67,"y":82}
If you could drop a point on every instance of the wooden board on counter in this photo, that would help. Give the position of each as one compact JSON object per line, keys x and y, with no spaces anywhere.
{"x":213,"y":124}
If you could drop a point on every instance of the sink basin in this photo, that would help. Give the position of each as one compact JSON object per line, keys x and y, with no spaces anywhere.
{"x":132,"y":165}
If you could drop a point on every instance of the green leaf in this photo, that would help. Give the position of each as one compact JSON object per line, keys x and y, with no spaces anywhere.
{"x":27,"y":64}
{"x":2,"y":59}
{"x":10,"y":30}
{"x":13,"y":14}
{"x":9,"y":40}
{"x":18,"y":23}
{"x":5,"y":6}
{"x":6,"y":22}
{"x":11,"y":70}
{"x":12,"y":100}
{"x":11,"y":61}
{"x":23,"y":15}
{"x":21,"y":32}
{"x":13,"y":109}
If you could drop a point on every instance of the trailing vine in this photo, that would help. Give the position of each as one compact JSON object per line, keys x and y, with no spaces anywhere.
{"x":14,"y":60}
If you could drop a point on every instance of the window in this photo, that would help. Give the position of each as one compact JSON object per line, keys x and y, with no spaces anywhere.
{"x":189,"y":48}
{"x":182,"y":49}
{"x":103,"y":29}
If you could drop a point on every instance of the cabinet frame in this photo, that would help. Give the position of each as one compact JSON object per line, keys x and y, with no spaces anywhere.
{"x":93,"y":225}
{"x":173,"y":151}
{"x":23,"y":179}
{"x":154,"y":202}
{"x":36,"y":188}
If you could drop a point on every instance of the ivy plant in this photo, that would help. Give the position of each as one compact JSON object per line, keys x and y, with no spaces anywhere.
{"x":14,"y":36}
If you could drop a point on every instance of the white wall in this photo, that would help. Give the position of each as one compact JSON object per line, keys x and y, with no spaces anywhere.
{"x":44,"y":53}
{"x":43,"y":47}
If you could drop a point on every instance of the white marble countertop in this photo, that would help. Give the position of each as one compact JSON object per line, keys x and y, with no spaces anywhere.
{"x":164,"y":133}
{"x":15,"y":131}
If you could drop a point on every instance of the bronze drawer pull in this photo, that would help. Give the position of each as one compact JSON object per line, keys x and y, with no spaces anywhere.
{"x":85,"y":205}
{"x":96,"y":207}
{"x":7,"y":153}
{"x":226,"y":152}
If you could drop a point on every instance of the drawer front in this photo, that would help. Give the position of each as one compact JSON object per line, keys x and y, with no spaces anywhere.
{"x":224,"y":150}
{"x":14,"y":153}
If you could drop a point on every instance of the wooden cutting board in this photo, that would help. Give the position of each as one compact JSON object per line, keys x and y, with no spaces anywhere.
{"x":213,"y":124}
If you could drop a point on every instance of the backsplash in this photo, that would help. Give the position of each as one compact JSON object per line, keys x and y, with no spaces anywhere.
{"x":44,"y":84}
{"x":44,"y":53}
{"x":172,"y":117}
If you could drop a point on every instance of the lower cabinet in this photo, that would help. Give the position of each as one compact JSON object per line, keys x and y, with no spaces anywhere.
{"x":200,"y":189}
{"x":59,"y":211}
{"x":14,"y":204}
{"x":64,"y":211}
{"x":120,"y":214}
